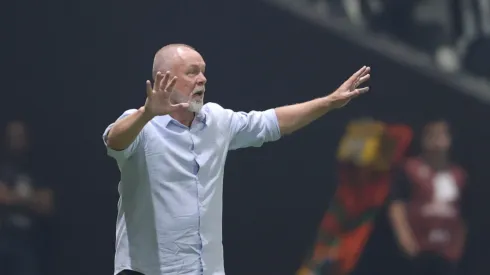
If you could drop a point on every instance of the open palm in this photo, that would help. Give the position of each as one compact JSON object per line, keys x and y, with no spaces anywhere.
{"x":158,"y":97}
{"x":350,"y":88}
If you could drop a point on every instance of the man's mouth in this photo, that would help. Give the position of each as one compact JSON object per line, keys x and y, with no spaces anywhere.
{"x":199,"y":93}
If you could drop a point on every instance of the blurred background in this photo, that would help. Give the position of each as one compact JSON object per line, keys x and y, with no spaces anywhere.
{"x":70,"y":68}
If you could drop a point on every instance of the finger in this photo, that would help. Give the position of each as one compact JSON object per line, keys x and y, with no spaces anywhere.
{"x":158,"y":79}
{"x":171,"y":85}
{"x":361,"y":90}
{"x":357,"y":74}
{"x":164,"y":81}
{"x":149,"y":89}
{"x":363,"y":79}
{"x":366,"y":71}
{"x":180,"y":106}
{"x":357,"y":92}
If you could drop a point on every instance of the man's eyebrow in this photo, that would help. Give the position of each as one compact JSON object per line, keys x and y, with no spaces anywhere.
{"x":197,"y":66}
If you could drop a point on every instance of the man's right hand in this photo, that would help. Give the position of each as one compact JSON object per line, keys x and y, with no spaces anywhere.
{"x":158,"y":97}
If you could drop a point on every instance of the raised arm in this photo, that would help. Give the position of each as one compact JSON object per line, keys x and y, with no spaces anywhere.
{"x":126,"y":129}
{"x":294,"y":117}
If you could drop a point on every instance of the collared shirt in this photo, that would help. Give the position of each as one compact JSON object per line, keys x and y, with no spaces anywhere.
{"x":170,"y":207}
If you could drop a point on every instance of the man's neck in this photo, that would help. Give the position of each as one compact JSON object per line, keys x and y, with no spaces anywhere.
{"x":184,"y":117}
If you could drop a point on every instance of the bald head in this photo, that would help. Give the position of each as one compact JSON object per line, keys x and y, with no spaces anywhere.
{"x":166,"y":57}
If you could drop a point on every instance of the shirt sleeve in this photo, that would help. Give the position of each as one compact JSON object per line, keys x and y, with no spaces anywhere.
{"x":128,"y":152}
{"x":253,"y":129}
{"x":400,"y":189}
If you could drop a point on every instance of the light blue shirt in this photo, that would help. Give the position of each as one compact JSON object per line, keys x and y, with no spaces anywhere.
{"x":170,"y":208}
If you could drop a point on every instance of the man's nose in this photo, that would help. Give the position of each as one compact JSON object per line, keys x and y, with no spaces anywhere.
{"x":201,"y":80}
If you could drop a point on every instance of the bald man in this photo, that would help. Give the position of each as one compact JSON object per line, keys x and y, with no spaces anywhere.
{"x":171,"y":153}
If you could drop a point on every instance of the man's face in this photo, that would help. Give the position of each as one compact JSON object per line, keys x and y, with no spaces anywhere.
{"x":189,"y":68}
{"x":437,"y":137}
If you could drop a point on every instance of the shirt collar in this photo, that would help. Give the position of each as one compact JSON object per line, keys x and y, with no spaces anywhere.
{"x":200,"y":117}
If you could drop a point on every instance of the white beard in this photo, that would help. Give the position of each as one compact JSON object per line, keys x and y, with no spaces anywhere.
{"x":195,"y":105}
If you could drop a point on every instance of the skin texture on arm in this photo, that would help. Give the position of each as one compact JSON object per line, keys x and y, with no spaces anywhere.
{"x":294,"y":117}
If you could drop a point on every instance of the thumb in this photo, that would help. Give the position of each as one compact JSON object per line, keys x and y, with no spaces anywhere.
{"x":181,"y":106}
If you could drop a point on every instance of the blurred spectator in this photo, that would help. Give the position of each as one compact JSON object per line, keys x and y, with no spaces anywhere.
{"x":426,"y":212}
{"x":367,"y":154}
{"x":22,"y":201}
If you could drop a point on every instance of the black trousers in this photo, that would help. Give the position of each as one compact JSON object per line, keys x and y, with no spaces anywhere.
{"x":433,"y":264}
{"x":129,"y":272}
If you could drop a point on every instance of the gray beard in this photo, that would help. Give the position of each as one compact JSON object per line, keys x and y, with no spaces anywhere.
{"x":195,"y":105}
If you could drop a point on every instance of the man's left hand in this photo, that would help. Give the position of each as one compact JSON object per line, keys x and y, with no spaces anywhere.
{"x":350,"y":89}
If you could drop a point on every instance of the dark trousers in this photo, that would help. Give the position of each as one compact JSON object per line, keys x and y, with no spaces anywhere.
{"x":433,"y":264}
{"x":129,"y":272}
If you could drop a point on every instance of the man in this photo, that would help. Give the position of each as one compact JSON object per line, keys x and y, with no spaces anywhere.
{"x":22,"y":201}
{"x":426,"y":212}
{"x":171,"y":153}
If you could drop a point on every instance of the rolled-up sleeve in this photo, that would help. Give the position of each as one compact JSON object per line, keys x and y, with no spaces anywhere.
{"x":128,"y":152}
{"x":253,"y":129}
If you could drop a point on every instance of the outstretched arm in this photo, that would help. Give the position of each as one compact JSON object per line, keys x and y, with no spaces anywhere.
{"x":123,"y":134}
{"x":294,"y":117}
